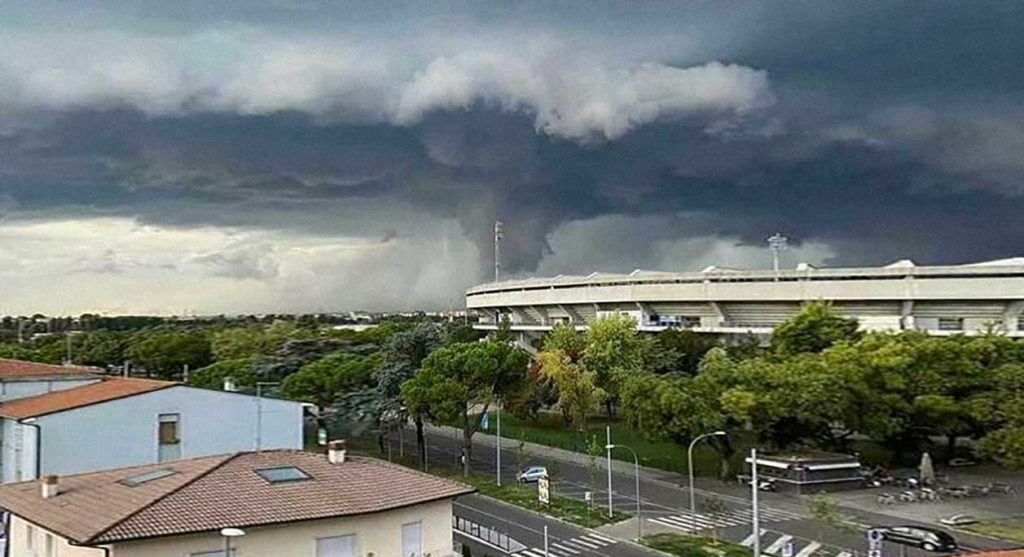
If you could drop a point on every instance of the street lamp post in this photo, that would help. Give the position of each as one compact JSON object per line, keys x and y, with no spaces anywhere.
{"x":608,"y":444}
{"x":636,"y":464}
{"x":259,"y":411}
{"x":229,"y":533}
{"x":689,"y":464}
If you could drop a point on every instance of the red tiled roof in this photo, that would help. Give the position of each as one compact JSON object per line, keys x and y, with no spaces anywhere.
{"x":108,"y":388}
{"x":218,"y":492}
{"x":20,"y":368}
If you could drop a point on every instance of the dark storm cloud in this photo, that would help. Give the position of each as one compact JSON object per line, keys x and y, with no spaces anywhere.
{"x":881,"y":130}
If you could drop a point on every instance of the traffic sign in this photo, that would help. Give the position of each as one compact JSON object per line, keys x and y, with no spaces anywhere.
{"x":544,"y":490}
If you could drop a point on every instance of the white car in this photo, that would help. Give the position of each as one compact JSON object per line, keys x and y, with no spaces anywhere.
{"x":959,"y":520}
{"x":531,"y":474}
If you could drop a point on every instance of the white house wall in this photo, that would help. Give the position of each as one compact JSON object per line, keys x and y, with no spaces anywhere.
{"x":123,"y":432}
{"x":10,"y":390}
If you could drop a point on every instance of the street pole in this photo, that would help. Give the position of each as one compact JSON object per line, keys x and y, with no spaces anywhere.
{"x":689,"y":465}
{"x":639,"y":515}
{"x":259,"y":411}
{"x":546,"y":540}
{"x":608,"y":434}
{"x":498,"y":471}
{"x":755,"y":517}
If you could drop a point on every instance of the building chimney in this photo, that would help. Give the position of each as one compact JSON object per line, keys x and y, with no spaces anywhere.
{"x":50,"y":486}
{"x":336,"y":451}
{"x":229,"y":384}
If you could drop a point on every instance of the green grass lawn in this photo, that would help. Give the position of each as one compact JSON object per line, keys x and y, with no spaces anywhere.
{"x":693,"y":546}
{"x":1011,"y":530}
{"x":549,"y":430}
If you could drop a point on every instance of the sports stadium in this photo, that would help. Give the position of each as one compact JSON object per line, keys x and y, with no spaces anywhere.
{"x":940,"y":300}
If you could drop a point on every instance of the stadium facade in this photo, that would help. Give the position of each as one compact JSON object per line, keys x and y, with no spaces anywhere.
{"x":940,"y":300}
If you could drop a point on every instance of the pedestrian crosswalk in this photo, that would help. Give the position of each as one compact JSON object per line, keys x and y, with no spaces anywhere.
{"x":784,"y":545}
{"x":736,"y":517}
{"x":572,"y":547}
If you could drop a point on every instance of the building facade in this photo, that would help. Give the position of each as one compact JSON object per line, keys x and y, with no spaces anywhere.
{"x":111,"y":422}
{"x":940,"y":300}
{"x":283,"y":503}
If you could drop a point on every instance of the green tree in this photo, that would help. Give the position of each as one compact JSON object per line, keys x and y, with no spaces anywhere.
{"x":166,"y":353}
{"x":402,"y":357}
{"x":99,"y":348}
{"x":612,"y":350}
{"x":677,"y":350}
{"x":321,"y":382}
{"x":1001,"y":411}
{"x":578,"y":393}
{"x":814,"y":328}
{"x":213,"y":375}
{"x":459,"y":381}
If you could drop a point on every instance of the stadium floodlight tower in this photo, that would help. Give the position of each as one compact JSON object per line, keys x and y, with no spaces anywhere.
{"x":777,"y":242}
{"x":499,"y":235}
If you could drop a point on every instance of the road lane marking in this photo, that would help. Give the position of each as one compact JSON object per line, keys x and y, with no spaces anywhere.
{"x":811,"y":548}
{"x":565,"y":548}
{"x":777,"y":544}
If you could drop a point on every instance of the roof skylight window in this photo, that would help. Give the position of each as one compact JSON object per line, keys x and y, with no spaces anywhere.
{"x":146,"y":477}
{"x":282,"y":474}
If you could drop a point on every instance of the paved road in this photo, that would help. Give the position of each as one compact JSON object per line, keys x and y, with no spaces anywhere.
{"x":491,"y":528}
{"x":665,"y":502}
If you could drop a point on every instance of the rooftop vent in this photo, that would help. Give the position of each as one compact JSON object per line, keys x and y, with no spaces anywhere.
{"x":336,"y":451}
{"x":50,"y":486}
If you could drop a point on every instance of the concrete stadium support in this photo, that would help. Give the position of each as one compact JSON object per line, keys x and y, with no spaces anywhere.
{"x":940,"y":300}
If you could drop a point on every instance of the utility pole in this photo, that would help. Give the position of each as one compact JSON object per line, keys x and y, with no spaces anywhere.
{"x":498,"y":470}
{"x":499,"y":235}
{"x":608,"y":445}
{"x":777,"y":242}
{"x":755,"y":516}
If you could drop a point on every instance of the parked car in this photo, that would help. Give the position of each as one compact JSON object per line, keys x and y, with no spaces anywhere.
{"x":959,"y":520}
{"x":928,"y":539}
{"x":960,"y":462}
{"x":531,"y":474}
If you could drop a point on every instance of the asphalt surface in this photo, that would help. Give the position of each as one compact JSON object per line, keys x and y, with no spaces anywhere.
{"x":665,"y":501}
{"x":493,"y":528}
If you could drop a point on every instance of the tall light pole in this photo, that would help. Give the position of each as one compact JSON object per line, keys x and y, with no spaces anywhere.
{"x":755,"y":516}
{"x":499,"y":235}
{"x":608,"y":444}
{"x":259,"y":411}
{"x":636,"y":464}
{"x":777,"y":242}
{"x":498,"y":418}
{"x":689,"y":464}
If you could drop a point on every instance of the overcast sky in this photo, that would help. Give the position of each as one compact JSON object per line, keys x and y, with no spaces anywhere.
{"x":292,"y":156}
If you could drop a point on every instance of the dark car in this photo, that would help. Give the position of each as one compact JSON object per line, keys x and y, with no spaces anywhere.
{"x":928,"y":539}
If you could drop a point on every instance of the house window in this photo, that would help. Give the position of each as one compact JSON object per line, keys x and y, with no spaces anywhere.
{"x":412,"y":542}
{"x":30,"y":536}
{"x":169,"y":429}
{"x":1020,"y":323}
{"x":336,"y":546}
{"x":951,"y":324}
{"x":51,"y":549}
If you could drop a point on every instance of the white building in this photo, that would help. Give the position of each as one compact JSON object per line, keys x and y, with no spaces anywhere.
{"x":277,"y":503}
{"x":939,"y":300}
{"x":80,"y":422}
